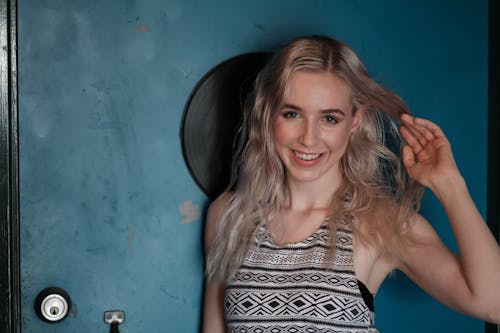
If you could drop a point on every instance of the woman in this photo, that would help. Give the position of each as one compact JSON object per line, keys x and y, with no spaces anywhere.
{"x":321,"y":209}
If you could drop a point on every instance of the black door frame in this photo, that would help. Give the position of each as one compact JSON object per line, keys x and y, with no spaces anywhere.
{"x":493,"y":183}
{"x":10,"y":308}
{"x":10,"y":291}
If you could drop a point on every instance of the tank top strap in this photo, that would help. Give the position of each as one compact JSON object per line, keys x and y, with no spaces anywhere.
{"x":344,"y":249}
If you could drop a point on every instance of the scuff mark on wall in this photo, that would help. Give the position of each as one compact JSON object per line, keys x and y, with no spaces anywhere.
{"x":259,"y":27}
{"x":176,"y":298}
{"x":141,"y":28}
{"x":189,"y":212}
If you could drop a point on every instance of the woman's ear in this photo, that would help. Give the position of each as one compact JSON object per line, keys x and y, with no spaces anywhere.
{"x":359,"y":114}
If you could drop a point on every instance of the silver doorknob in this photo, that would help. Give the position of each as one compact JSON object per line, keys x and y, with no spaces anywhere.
{"x":52,"y":304}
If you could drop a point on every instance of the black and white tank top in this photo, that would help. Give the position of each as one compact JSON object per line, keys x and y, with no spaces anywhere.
{"x":298,"y":288}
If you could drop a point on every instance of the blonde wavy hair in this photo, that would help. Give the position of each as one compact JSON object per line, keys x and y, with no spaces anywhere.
{"x":374,"y":182}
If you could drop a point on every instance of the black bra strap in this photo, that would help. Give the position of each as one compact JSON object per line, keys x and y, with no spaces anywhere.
{"x":367,"y":296}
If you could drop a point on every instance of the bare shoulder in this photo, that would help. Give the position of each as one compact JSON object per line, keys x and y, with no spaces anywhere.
{"x":372,"y":263}
{"x":399,"y":243}
{"x":217,"y":206}
{"x":422,"y":235}
{"x":215,"y":211}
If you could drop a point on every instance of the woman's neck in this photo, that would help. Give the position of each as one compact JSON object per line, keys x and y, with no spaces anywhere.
{"x":311,"y":195}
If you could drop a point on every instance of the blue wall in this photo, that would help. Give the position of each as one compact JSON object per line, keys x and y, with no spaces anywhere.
{"x":108,"y":209}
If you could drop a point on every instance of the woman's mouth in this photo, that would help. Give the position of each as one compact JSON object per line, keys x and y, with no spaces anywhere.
{"x":306,"y":157}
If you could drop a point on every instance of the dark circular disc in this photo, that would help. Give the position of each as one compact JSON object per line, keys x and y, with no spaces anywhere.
{"x":211,"y":119}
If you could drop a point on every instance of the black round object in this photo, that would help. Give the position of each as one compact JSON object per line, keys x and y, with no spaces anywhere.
{"x":211,"y":119}
{"x":52,"y":304}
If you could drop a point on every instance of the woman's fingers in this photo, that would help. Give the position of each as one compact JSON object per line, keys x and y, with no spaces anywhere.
{"x":425,"y":131}
{"x":420,"y":133}
{"x":411,"y":139}
{"x":408,"y":157}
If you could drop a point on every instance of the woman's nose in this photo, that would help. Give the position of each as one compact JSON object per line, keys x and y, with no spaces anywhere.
{"x":309,"y":134}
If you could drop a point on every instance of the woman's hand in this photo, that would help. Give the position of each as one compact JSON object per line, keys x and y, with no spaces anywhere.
{"x":427,"y":155}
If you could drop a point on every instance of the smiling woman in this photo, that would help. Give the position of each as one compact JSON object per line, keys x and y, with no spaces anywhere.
{"x":422,"y":60}
{"x":320,"y":210}
{"x":312,"y":129}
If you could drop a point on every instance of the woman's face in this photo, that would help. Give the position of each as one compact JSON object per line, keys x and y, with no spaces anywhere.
{"x":312,"y":127}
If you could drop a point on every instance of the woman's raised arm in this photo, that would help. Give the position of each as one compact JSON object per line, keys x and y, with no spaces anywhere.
{"x":469,"y":282}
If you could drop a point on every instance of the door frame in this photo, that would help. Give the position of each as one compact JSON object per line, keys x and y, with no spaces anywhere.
{"x":493,"y":183}
{"x":10,"y":288}
{"x":10,"y":292}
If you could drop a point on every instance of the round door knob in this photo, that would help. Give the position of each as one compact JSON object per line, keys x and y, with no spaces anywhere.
{"x":52,"y":304}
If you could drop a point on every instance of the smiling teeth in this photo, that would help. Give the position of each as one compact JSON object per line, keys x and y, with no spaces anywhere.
{"x":306,"y":157}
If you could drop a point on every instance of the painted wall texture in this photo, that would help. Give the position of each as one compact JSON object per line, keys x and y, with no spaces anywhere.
{"x":109,"y":211}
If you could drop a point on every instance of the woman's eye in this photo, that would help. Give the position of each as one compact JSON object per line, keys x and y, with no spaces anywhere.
{"x":331,"y":119}
{"x":291,"y":114}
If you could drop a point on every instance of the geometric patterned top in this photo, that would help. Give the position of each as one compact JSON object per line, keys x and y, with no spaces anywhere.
{"x":297,"y":288}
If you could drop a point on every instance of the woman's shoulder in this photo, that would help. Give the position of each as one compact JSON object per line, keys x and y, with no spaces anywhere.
{"x":214,"y":213}
{"x":386,"y":224}
{"x":217,"y":206}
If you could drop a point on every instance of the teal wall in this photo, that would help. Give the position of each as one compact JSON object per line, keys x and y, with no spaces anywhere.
{"x":109,"y":210}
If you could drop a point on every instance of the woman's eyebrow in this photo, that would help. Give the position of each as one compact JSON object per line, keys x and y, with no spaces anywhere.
{"x":290,"y":106}
{"x":326,"y":111}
